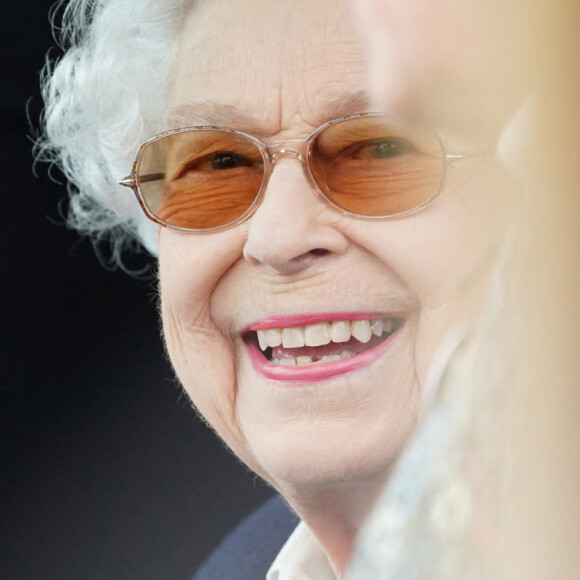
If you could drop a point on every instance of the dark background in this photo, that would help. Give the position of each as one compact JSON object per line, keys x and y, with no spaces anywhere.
{"x":105,"y":471}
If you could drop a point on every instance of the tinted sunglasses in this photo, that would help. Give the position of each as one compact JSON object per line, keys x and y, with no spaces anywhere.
{"x":209,"y":178}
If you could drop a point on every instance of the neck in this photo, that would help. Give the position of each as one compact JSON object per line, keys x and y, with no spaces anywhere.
{"x":335,"y":514}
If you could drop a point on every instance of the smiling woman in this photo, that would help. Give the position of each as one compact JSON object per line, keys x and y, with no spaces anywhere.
{"x":313,"y":255}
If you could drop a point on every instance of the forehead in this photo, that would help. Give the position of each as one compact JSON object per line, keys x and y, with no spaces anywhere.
{"x":266,"y":65}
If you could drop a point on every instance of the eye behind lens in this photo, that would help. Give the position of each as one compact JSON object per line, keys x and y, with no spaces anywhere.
{"x":389,"y":147}
{"x":205,"y":179}
{"x":228,"y":160}
{"x":367,"y":168}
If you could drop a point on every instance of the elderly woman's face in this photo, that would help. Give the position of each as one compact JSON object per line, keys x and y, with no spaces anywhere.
{"x":278,"y":70}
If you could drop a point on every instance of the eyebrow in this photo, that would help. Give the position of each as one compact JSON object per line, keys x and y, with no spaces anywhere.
{"x":349,"y":103}
{"x":219,"y":114}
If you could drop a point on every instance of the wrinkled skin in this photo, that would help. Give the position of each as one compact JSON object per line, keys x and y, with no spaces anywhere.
{"x":326,"y":446}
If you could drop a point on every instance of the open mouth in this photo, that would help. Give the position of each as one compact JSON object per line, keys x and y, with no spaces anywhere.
{"x":321,"y":342}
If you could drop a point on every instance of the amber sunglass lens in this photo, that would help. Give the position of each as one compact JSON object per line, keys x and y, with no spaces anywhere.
{"x":200,"y":179}
{"x":368,"y":168}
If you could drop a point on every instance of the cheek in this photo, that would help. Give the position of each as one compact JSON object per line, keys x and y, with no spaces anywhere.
{"x":445,"y":254}
{"x":441,"y":250}
{"x":190,"y":268}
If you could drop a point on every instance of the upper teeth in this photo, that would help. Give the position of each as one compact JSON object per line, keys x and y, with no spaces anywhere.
{"x":322,"y":333}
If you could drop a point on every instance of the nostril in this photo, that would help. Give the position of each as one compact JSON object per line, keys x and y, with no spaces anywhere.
{"x":318,"y":251}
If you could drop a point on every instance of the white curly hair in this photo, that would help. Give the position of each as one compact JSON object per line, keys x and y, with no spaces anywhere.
{"x":102,"y":99}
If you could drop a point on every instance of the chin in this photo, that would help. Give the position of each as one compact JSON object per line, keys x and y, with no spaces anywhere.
{"x":317,"y":472}
{"x":330,"y":444}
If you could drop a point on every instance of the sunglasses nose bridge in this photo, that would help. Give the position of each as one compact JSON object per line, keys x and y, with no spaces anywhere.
{"x":285,"y":151}
{"x":275,"y":152}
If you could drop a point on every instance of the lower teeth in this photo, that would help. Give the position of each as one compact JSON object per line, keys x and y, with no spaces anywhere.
{"x":389,"y":327}
{"x":302,"y":361}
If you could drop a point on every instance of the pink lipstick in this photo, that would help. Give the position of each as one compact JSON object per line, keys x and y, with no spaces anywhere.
{"x":315,"y":347}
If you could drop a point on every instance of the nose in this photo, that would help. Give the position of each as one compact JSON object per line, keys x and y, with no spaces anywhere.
{"x":292,"y":229}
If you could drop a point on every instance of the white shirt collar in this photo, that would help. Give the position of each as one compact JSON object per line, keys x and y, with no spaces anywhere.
{"x":301,"y":558}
